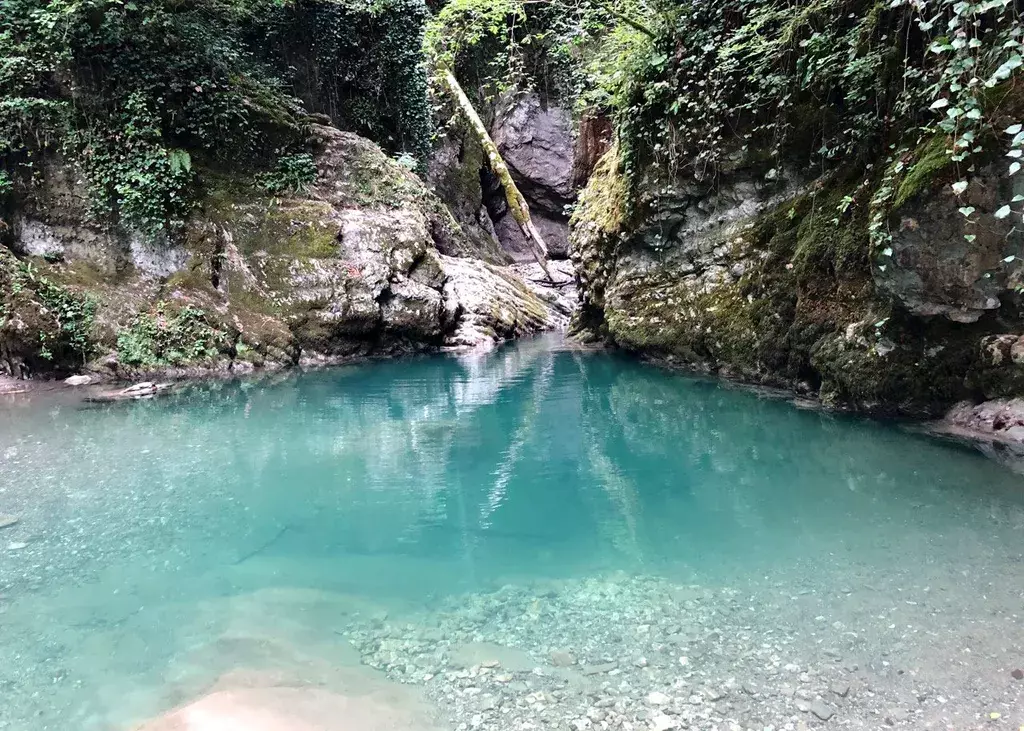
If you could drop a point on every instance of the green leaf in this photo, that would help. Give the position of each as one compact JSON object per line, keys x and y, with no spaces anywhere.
{"x":1009,"y":258}
{"x":1014,"y":167}
{"x":939,"y":104}
{"x":1013,"y":129}
{"x":1003,"y":212}
{"x":960,"y":186}
{"x":967,"y":211}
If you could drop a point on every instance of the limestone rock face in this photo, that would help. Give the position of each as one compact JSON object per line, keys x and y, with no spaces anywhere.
{"x":935,"y":270}
{"x":546,"y":158}
{"x":454,"y":175}
{"x":350,"y":266}
{"x":771,"y":277}
{"x":536,"y":142}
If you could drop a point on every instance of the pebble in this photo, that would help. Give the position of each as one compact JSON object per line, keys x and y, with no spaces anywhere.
{"x":822,"y":710}
{"x":1017,"y":674}
{"x":661,"y":722}
{"x":841,"y":689}
{"x":650,"y":687}
{"x":599,"y":669}
{"x":562,"y":658}
{"x":897,"y":715}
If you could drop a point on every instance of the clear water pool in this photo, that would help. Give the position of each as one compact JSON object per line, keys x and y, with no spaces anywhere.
{"x":237,"y":526}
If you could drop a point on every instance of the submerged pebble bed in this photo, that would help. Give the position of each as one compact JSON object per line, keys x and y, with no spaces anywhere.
{"x":644,"y":653}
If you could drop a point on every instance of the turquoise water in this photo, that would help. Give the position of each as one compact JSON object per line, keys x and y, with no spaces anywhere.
{"x":151,"y":530}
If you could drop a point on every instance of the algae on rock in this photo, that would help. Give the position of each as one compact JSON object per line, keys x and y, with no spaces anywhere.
{"x":776,"y":282}
{"x":354,"y":265}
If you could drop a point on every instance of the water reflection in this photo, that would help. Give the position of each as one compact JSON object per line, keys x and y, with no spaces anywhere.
{"x":532,"y":458}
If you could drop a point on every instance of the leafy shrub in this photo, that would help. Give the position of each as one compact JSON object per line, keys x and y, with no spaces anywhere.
{"x":165,"y":338}
{"x":68,"y":317}
{"x":293,"y":173}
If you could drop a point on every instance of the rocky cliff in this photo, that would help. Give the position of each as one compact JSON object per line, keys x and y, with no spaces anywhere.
{"x":773,"y":277}
{"x":364,"y":261}
{"x":538,"y":141}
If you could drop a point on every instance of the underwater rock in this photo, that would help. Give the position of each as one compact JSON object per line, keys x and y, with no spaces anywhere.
{"x":288,"y":709}
{"x":562,"y":658}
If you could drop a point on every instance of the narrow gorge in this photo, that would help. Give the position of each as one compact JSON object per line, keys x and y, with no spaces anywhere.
{"x":505,"y":365}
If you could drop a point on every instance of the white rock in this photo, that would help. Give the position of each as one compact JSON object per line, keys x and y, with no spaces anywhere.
{"x":78,"y":380}
{"x":661,"y":722}
{"x":658,"y":699}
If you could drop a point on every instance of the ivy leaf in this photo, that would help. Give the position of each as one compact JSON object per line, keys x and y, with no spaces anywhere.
{"x":939,"y":104}
{"x":1014,"y":153}
{"x":1003,"y":212}
{"x":1013,"y":129}
{"x":970,"y":237}
{"x":1008,"y":67}
{"x":967,"y":211}
{"x":1014,"y":167}
{"x":961,"y":185}
{"x":1009,"y":258}
{"x":1017,"y":199}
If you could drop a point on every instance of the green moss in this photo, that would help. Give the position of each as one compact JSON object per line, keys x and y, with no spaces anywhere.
{"x":603,"y":202}
{"x":302,"y":229}
{"x":930,"y":164}
{"x":196,"y":276}
{"x":831,"y":236}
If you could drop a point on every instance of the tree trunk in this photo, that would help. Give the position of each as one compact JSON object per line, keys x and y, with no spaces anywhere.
{"x":516,"y":203}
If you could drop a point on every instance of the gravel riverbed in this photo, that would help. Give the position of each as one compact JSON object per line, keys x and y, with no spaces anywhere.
{"x":622,"y":652}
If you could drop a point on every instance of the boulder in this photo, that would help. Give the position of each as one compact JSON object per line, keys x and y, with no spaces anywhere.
{"x":536,"y":141}
{"x":350,"y":266}
{"x":1000,"y":419}
{"x":490,"y":304}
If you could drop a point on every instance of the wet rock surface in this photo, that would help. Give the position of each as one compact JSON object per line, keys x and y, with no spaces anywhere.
{"x":942,"y":264}
{"x":754,"y":277}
